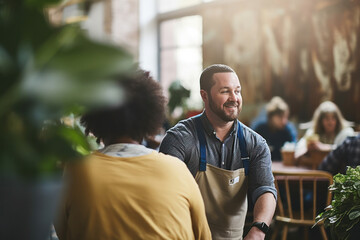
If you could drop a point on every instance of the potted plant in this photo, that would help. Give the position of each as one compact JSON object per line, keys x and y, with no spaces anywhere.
{"x":46,"y":73}
{"x":177,"y":101}
{"x":343,"y":215}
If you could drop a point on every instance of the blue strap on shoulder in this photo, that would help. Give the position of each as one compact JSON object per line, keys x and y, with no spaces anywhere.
{"x":202,"y":142}
{"x":244,"y":153}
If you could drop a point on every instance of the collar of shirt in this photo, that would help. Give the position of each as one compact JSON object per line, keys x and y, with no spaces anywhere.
{"x":209,"y":130}
{"x":125,"y":150}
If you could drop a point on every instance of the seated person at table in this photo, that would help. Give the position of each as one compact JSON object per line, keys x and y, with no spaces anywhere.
{"x":275,"y":127}
{"x":329,"y":129}
{"x":346,"y":154}
{"x":125,"y":190}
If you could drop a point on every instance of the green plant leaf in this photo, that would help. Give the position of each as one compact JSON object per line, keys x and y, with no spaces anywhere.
{"x":352,"y":225}
{"x":46,"y":73}
{"x":354,"y":214}
{"x":76,"y":137}
{"x":344,"y":211}
{"x":70,"y":69}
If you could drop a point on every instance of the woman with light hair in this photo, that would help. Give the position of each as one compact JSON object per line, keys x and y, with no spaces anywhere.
{"x":328,"y":130}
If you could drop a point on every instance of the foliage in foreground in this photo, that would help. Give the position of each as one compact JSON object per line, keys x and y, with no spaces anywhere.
{"x":344,"y":212}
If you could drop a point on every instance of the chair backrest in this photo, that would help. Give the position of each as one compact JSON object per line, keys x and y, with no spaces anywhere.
{"x":301,"y":195}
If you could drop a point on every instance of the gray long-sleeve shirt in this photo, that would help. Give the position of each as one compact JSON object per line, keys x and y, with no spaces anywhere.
{"x":182,"y":142}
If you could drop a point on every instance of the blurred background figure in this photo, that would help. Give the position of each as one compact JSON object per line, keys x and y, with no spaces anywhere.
{"x":346,"y":154}
{"x":125,"y":190}
{"x":275,"y":127}
{"x":328,"y":130}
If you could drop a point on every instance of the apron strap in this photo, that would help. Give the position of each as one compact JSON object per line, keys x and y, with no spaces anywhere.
{"x":202,"y":142}
{"x":244,"y":153}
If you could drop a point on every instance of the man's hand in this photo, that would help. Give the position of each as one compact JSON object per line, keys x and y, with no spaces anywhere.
{"x":313,"y":145}
{"x":318,"y":146}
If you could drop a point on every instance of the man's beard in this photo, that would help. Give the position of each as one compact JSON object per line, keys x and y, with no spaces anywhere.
{"x":221,"y":113}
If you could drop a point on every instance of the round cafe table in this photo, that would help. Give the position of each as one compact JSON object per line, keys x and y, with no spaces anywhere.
{"x":311,"y":160}
{"x":279,"y":166}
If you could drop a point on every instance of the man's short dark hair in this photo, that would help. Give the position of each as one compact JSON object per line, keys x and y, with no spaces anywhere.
{"x":141,"y":114}
{"x":206,"y":78}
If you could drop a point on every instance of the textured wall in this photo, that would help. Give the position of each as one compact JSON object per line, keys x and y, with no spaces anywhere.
{"x":304,"y":51}
{"x":117,"y":22}
{"x":122,"y":23}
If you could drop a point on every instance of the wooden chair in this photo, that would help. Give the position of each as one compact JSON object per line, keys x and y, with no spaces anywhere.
{"x":292,"y":188}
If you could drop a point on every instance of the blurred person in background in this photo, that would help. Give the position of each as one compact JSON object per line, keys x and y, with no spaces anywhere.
{"x":346,"y":154}
{"x":275,"y":127}
{"x":329,"y":129}
{"x":125,"y":190}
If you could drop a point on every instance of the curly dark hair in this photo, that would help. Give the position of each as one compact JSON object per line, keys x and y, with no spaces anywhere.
{"x":141,"y":114}
{"x":206,"y":78}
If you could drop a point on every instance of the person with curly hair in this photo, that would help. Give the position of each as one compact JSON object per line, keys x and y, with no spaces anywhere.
{"x":125,"y":190}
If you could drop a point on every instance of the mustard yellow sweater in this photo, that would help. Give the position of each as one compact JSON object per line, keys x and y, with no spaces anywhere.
{"x":153,"y":196}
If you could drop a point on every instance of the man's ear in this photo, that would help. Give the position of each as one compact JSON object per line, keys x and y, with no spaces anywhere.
{"x":204,"y":95}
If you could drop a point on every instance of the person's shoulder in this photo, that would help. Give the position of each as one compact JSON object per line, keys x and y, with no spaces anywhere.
{"x":166,"y":157}
{"x":169,"y":159}
{"x":356,"y":140}
{"x":260,"y":126}
{"x":82,"y":166}
{"x":171,"y":163}
{"x":352,"y":140}
{"x":291,"y":129}
{"x":250,"y":134}
{"x":247,"y":130}
{"x":92,"y":158}
{"x":348,"y":131}
{"x":343,"y":134}
{"x":309,"y":132}
{"x":185,"y":126}
{"x":290,"y":125}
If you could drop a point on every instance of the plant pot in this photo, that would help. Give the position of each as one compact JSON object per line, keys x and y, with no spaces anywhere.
{"x":28,"y":208}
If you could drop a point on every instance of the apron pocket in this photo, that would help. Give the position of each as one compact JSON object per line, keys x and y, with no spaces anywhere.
{"x":219,"y":233}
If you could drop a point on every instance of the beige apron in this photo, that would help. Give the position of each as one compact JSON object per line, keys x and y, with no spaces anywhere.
{"x":225,"y":197}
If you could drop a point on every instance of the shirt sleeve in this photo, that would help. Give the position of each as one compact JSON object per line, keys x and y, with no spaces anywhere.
{"x":330,"y":163}
{"x":342,"y":135}
{"x":261,"y":179}
{"x":336,"y":159}
{"x":292,"y":131}
{"x":173,"y":144}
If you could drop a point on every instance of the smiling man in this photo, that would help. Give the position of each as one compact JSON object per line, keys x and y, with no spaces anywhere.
{"x":227,"y":159}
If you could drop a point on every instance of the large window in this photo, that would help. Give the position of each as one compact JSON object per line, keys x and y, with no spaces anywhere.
{"x":181,"y":54}
{"x":175,"y":26}
{"x":169,"y":5}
